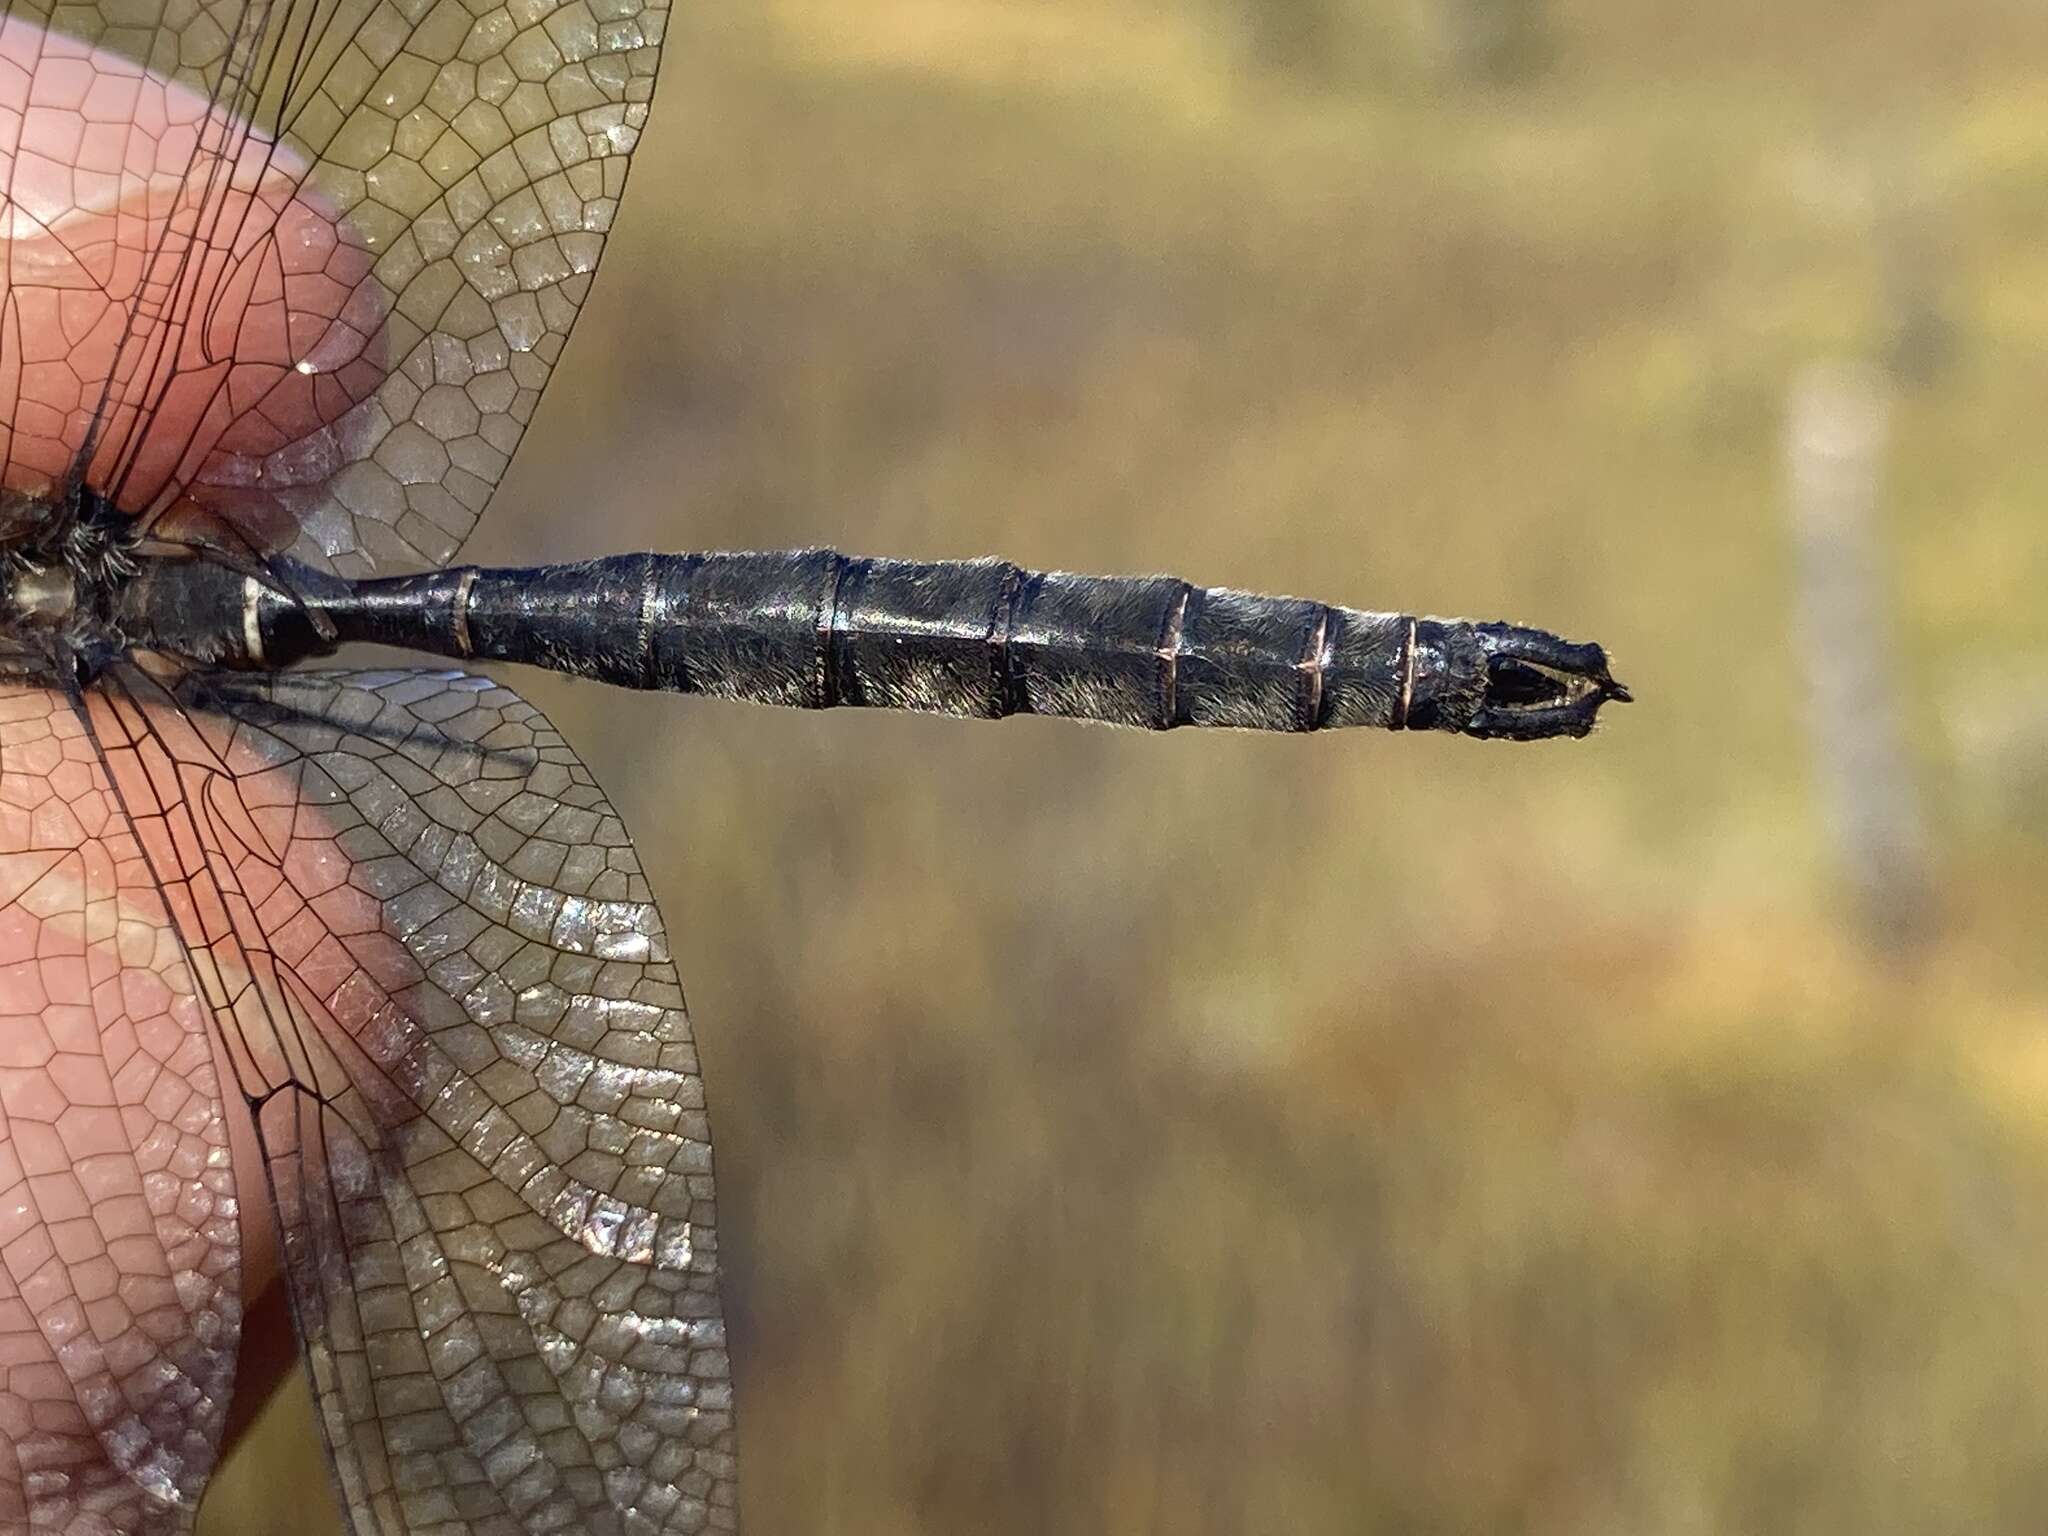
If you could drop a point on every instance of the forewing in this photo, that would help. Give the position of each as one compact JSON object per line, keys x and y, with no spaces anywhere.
{"x":119,"y":1278}
{"x":302,"y":266}
{"x":486,"y":1136}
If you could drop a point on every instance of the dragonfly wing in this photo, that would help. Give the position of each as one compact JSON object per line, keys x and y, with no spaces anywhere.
{"x":478,"y":154}
{"x":119,"y":1248}
{"x":301,"y":266}
{"x":430,"y":938}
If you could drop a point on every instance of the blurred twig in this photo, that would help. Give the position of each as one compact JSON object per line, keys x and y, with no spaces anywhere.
{"x":1837,"y":425}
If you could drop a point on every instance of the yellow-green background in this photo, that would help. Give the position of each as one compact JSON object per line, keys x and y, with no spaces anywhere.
{"x":1208,"y":1134}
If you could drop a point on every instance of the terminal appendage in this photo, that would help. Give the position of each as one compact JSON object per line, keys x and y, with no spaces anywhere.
{"x":1538,"y":685}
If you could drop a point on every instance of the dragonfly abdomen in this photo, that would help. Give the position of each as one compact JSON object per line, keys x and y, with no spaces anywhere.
{"x":980,"y":638}
{"x":816,"y":629}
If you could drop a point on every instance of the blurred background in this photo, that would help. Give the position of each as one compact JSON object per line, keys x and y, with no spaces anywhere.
{"x":1209,"y":1134}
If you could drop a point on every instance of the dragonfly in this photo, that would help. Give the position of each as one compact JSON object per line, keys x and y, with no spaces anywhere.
{"x":349,"y":982}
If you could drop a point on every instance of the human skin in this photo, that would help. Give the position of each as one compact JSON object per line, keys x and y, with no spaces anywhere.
{"x":176,"y":252}
{"x":121,"y":1240}
{"x":174,"y":344}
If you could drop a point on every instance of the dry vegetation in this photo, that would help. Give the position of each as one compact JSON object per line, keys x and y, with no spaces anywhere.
{"x":1244,"y":1136}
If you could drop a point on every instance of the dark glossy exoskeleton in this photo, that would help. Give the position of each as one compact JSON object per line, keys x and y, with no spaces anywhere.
{"x":814,"y":629}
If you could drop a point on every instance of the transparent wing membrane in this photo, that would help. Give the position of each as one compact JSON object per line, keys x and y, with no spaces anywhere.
{"x":295,"y":271}
{"x":438,"y":966}
{"x":119,"y":1279}
{"x":289,"y":276}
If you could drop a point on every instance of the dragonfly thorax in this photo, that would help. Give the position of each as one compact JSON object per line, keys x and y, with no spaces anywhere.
{"x":70,"y":570}
{"x":42,"y":597}
{"x":56,"y":557}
